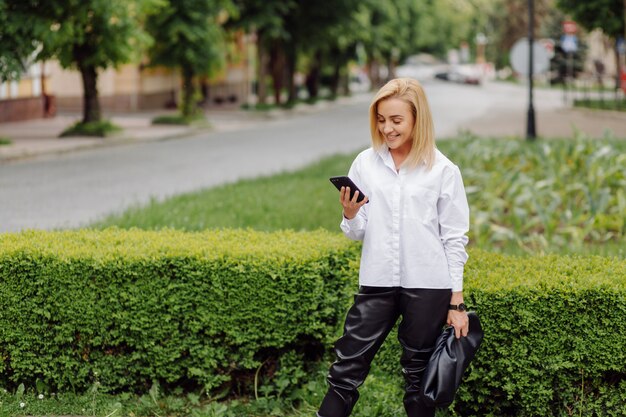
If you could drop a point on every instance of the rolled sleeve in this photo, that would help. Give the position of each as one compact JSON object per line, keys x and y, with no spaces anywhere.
{"x":354,"y":228}
{"x":454,"y":225}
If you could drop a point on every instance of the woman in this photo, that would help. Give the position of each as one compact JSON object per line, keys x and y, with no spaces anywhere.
{"x":414,"y":235}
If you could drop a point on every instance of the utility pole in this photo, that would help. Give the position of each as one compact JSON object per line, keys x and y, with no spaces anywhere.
{"x":530,"y":121}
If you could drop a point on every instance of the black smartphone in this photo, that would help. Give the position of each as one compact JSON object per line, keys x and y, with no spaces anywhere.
{"x":344,"y":181}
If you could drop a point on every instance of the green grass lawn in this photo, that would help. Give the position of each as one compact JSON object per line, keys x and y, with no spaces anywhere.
{"x":561,"y":196}
{"x":301,"y":200}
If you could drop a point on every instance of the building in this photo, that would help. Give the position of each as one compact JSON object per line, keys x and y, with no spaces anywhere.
{"x":47,"y":88}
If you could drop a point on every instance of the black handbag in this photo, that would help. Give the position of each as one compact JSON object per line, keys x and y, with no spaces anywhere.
{"x":449,"y":361}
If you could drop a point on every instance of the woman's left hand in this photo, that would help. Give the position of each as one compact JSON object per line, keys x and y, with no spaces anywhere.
{"x":460,"y":322}
{"x":458,"y":319}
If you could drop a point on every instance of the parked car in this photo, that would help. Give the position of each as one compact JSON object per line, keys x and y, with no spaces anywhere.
{"x":464,"y":74}
{"x":420,"y":67}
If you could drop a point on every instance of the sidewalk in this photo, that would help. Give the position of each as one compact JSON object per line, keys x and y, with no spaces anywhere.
{"x":41,"y":137}
{"x":557,"y":123}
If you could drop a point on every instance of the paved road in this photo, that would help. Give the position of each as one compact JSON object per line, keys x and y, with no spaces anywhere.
{"x":74,"y":189}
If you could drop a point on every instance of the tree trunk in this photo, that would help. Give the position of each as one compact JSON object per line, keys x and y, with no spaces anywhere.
{"x":374,"y":74}
{"x":261,"y":89}
{"x":277,"y":67}
{"x":91,"y":104}
{"x":188,"y":106}
{"x":291,"y":72}
{"x":313,"y":77}
{"x":334,"y":82}
{"x":344,"y":83}
{"x":391,"y":69}
{"x":618,"y":69}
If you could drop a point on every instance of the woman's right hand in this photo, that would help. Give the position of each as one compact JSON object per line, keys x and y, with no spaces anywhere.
{"x":350,"y":206}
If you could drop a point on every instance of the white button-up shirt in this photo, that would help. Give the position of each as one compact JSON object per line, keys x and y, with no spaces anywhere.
{"x":414,"y":227}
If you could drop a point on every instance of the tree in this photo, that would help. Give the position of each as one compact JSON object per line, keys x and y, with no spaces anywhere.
{"x":399,"y":28}
{"x":607,"y":15}
{"x":188,"y":35}
{"x":88,"y":35}
{"x":266,"y":19}
{"x":19,"y":39}
{"x":322,"y":32}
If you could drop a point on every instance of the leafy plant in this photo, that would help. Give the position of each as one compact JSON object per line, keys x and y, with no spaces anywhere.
{"x":551,"y":194}
{"x":99,"y":128}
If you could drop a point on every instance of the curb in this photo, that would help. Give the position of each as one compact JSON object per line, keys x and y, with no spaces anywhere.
{"x":114,"y":140}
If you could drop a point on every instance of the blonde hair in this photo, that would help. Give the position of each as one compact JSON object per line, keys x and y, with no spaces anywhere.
{"x":411,"y":92}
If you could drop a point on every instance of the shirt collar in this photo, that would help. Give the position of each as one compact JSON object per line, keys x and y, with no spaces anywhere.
{"x":385,"y":155}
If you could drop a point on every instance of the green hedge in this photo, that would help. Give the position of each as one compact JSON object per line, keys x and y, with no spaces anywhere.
{"x":555,"y":337}
{"x":210,"y":309}
{"x":127,"y":308}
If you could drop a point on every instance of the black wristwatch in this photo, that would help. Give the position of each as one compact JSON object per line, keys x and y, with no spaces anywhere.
{"x":459,"y":307}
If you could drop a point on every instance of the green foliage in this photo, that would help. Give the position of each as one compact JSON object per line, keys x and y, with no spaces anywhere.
{"x":95,"y":33}
{"x":267,"y":17}
{"x":553,"y":345}
{"x":619,"y":105}
{"x":5,"y":141}
{"x":607,"y":15}
{"x":101,"y":129}
{"x":170,"y":313}
{"x":201,"y":310}
{"x":20,"y":35}
{"x":549,"y":194}
{"x":504,"y":22}
{"x":178,"y":120}
{"x":87,"y":35}
{"x":188,"y":36}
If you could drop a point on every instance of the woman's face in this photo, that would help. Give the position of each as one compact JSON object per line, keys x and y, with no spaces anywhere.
{"x":395,"y":124}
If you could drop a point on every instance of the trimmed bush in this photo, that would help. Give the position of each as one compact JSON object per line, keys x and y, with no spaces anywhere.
{"x":212,"y":309}
{"x":181,"y":309}
{"x":555,"y":341}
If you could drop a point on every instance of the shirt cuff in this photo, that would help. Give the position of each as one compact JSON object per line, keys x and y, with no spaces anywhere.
{"x":348,"y":225}
{"x":457,"y":279}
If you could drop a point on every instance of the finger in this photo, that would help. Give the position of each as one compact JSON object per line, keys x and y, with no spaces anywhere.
{"x":457,"y":332}
{"x":346,"y":197}
{"x":342,"y":194}
{"x":355,"y":197}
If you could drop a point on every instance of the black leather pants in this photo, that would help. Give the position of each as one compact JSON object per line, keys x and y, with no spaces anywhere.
{"x":368,"y":322}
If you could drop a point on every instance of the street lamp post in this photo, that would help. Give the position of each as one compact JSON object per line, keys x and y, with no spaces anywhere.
{"x":530,"y":121}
